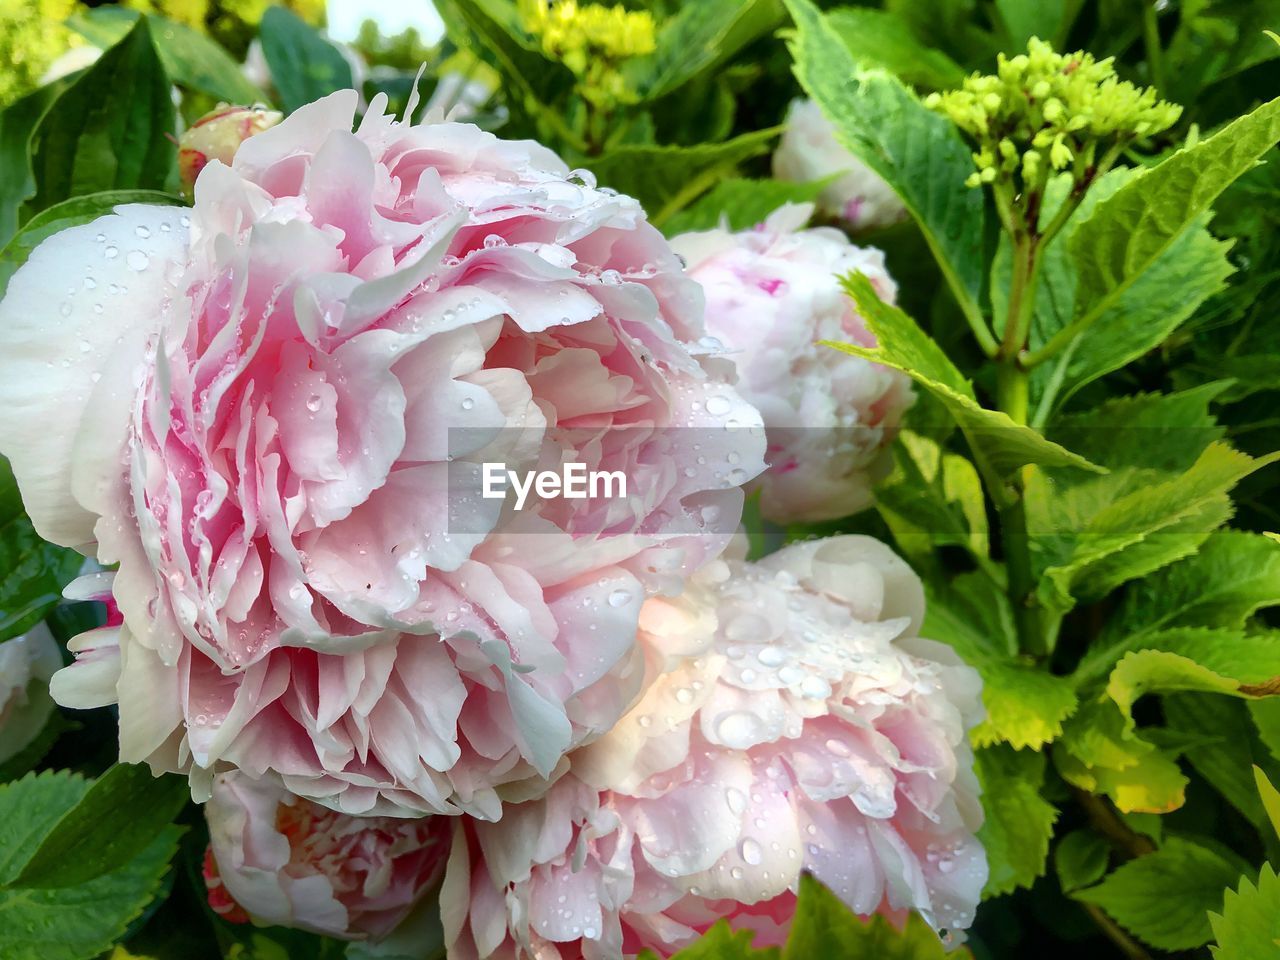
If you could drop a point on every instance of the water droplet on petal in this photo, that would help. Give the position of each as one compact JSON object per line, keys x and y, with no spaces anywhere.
{"x":751,"y":852}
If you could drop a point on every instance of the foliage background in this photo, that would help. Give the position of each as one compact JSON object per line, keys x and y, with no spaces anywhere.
{"x":1119,"y":824}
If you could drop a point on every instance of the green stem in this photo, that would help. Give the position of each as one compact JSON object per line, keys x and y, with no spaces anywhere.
{"x":1151,"y":39}
{"x":1012,"y":397}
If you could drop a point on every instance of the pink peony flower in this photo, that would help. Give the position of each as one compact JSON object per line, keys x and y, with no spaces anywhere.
{"x":271,"y":411}
{"x":282,"y":860}
{"x":808,"y":151}
{"x":796,"y":723}
{"x":26,"y":664}
{"x":772,"y":294}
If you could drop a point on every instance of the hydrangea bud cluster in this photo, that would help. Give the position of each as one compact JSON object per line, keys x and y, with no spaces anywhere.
{"x":1044,"y":111}
{"x":592,"y":40}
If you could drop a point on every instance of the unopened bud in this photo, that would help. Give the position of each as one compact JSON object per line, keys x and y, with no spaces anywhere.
{"x":217,"y":136}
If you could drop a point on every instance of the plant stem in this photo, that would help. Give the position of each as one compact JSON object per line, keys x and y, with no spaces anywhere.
{"x":1012,"y":396}
{"x":1126,"y":944}
{"x":1151,"y":40}
{"x":1104,"y":819}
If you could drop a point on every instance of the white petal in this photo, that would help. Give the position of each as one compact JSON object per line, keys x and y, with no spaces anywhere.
{"x":55,"y":346}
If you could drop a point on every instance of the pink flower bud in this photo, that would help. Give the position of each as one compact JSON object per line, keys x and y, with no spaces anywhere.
{"x":218,"y":135}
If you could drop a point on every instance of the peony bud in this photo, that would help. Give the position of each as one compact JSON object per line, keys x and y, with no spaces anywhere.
{"x":217,"y":136}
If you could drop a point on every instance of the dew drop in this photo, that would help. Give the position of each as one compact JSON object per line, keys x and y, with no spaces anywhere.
{"x":136,"y":260}
{"x":751,"y":852}
{"x":718,"y":406}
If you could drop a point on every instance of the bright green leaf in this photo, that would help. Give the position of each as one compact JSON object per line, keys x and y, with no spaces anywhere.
{"x":1019,"y":821}
{"x":1164,"y":897}
{"x":110,"y":130}
{"x":824,"y":927}
{"x":917,"y":152}
{"x":722,"y":943}
{"x":1270,"y":797}
{"x":1130,"y":229}
{"x":1001,"y":444}
{"x":1248,"y":928}
{"x":1233,"y":575}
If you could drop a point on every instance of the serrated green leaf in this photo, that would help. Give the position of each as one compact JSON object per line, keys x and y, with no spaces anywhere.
{"x":1100,"y":752}
{"x":1234,"y":748}
{"x":120,"y":815}
{"x":110,"y":130}
{"x":1233,"y":575}
{"x":877,"y":38}
{"x":190,"y":58}
{"x":1001,"y":444}
{"x":1080,"y":859}
{"x":824,"y":927}
{"x":934,"y":498}
{"x":1248,"y":928}
{"x":919,"y":153}
{"x":741,"y":203}
{"x":1124,"y":509}
{"x":304,"y":65}
{"x":1019,"y":821}
{"x":1129,"y":230}
{"x":68,"y":213}
{"x":69,"y":923}
{"x":1025,"y":705}
{"x":35,"y":571}
{"x":1164,"y":897}
{"x":667,"y":178}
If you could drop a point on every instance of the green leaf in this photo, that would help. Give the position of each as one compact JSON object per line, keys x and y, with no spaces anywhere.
{"x":121,"y":814}
{"x":1000,"y":445}
{"x":1124,"y":509}
{"x":304,"y":65}
{"x":17,"y":184}
{"x":1164,"y":897}
{"x":919,"y":153}
{"x":1044,"y":18}
{"x":1199,"y":659}
{"x":824,"y":927}
{"x":69,"y":213}
{"x":35,"y":571}
{"x":877,"y":38}
{"x":934,"y":498}
{"x":1270,"y":798}
{"x":1026,"y":706}
{"x":722,"y":943}
{"x":1019,"y":821}
{"x":110,"y":130}
{"x":665,"y":179}
{"x":1130,"y":229}
{"x":1235,"y":748}
{"x":74,"y":923}
{"x":699,"y":37}
{"x":495,"y":26}
{"x":1248,"y":927}
{"x":1080,"y":859}
{"x":741,"y":203}
{"x":1233,"y":575}
{"x":190,"y":58}
{"x":1101,"y":753}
